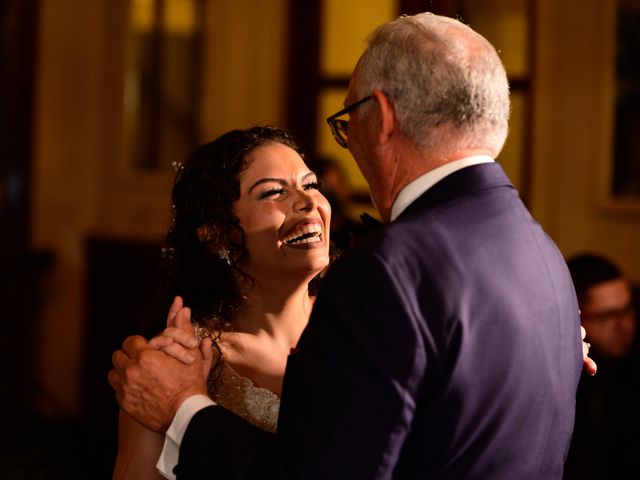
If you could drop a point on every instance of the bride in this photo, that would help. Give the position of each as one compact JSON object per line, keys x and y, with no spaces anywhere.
{"x":250,"y":235}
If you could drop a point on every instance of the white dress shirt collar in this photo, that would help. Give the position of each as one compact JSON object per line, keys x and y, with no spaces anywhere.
{"x":423,"y":183}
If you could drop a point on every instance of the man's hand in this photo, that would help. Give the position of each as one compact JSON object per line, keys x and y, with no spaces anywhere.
{"x":150,"y":385}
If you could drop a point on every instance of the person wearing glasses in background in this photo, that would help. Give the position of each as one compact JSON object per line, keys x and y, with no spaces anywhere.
{"x":605,"y":442}
{"x":445,"y":345}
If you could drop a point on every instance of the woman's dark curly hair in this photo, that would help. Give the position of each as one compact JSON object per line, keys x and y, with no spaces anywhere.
{"x":204,"y":191}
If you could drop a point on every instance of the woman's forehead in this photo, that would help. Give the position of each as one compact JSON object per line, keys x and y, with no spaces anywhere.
{"x":274,"y":160}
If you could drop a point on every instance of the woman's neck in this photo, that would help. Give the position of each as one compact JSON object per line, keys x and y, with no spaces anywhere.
{"x":276,"y":311}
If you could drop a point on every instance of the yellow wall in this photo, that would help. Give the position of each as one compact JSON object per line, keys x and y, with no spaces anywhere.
{"x":345,"y":27}
{"x":81,"y":181}
{"x":245,"y":66}
{"x":82,"y":184}
{"x":65,"y":182}
{"x":573,"y":133}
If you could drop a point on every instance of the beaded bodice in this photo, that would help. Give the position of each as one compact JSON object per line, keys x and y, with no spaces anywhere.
{"x":256,"y":405}
{"x":238,"y":394}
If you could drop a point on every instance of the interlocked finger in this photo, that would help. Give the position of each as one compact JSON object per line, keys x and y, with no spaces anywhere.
{"x":184,"y":338}
{"x":179,"y":352}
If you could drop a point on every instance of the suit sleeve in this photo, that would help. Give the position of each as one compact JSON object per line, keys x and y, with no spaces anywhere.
{"x":349,"y":393}
{"x":220,"y":445}
{"x":349,"y":390}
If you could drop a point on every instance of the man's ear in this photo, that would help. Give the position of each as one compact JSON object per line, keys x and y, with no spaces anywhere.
{"x":387,"y":116}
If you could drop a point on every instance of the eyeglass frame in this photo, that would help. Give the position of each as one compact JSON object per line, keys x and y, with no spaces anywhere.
{"x":340,"y":127}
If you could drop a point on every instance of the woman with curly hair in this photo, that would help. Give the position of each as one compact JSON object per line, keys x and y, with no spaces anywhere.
{"x":250,"y":235}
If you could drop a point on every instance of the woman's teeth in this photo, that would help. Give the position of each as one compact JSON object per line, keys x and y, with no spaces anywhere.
{"x":306,"y":234}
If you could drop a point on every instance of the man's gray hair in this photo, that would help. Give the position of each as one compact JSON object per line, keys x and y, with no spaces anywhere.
{"x":438,"y":72}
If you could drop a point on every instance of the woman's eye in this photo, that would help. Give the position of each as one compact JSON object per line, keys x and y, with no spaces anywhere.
{"x":312,"y":186}
{"x":272,"y":192}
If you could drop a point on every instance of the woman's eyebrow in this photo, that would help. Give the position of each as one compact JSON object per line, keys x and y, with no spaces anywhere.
{"x":268,"y":180}
{"x":307,"y":175}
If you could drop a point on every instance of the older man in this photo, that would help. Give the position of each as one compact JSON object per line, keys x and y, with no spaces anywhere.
{"x":447,"y":345}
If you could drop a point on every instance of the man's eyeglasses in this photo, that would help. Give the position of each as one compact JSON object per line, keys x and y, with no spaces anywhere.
{"x":339,"y":127}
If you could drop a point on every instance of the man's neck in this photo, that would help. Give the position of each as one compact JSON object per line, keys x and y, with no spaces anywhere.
{"x":420,"y":185}
{"x":413,"y":165}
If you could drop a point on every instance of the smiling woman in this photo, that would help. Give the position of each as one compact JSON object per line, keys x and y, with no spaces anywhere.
{"x":284,"y":217}
{"x":251,"y":231}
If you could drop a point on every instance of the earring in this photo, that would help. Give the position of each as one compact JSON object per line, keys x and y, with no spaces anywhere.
{"x":223,"y":254}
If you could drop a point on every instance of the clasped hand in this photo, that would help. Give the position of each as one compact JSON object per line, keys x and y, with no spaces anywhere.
{"x":152,"y":379}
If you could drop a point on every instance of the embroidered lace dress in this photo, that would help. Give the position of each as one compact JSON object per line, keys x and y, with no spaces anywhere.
{"x":256,"y":405}
{"x":238,"y":394}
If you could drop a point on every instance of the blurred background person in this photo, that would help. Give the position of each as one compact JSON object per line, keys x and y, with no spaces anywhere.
{"x":605,"y":442}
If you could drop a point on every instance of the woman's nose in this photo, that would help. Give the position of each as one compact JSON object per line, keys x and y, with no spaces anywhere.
{"x":305,"y":201}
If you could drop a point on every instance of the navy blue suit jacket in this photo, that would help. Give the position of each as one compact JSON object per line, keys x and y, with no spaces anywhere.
{"x":447,"y":346}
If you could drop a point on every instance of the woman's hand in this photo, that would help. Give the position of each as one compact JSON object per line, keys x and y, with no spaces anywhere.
{"x":588,"y":365}
{"x":180,"y":344}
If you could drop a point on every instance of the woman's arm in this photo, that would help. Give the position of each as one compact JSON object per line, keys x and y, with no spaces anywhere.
{"x":138,"y":447}
{"x":138,"y":451}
